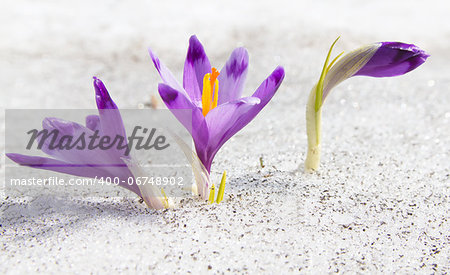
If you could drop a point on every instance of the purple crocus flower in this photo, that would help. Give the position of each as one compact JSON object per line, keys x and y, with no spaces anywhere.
{"x":383,"y":59}
{"x":86,"y":162}
{"x":218,"y":110}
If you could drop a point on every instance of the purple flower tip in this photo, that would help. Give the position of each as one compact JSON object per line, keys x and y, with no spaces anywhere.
{"x":195,"y":50}
{"x":278,"y":74}
{"x":17,"y":158}
{"x":102,"y":96}
{"x":392,"y":59}
{"x":24,"y":160}
{"x":154,"y":59}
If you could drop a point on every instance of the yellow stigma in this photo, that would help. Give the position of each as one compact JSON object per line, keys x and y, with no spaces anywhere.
{"x":210,"y":92}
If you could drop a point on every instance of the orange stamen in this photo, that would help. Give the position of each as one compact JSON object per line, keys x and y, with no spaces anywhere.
{"x":214,"y":74}
{"x":210,"y":93}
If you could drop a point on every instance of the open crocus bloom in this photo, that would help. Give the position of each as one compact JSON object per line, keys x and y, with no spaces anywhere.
{"x":89,"y":162}
{"x":383,"y":59}
{"x":218,"y":110}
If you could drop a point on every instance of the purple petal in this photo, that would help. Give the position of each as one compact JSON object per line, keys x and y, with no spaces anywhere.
{"x":176,"y":100}
{"x":267,"y":89}
{"x":105,"y":161}
{"x":195,"y":67}
{"x":232,"y":76}
{"x":264,"y":93}
{"x":392,"y":59}
{"x":80,"y":170}
{"x":166,"y":76}
{"x":75,"y":155}
{"x":56,"y":165}
{"x":221,"y":124}
{"x":110,"y":119}
{"x":111,"y":125}
{"x":225,"y":116}
{"x":226,"y":120}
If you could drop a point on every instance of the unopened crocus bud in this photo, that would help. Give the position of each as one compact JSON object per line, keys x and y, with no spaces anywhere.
{"x":383,"y":59}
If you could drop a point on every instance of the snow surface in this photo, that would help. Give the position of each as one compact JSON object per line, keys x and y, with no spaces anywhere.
{"x":380,"y":203}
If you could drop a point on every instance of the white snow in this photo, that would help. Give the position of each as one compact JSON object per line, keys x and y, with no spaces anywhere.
{"x":380,"y":203}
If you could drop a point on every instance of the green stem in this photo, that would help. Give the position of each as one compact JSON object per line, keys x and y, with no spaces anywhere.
{"x":314,"y":115}
{"x":313,"y":130}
